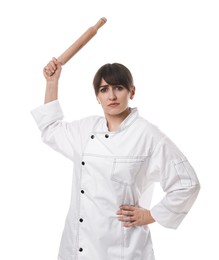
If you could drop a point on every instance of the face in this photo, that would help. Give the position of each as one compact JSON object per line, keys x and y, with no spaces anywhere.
{"x":114,"y":99}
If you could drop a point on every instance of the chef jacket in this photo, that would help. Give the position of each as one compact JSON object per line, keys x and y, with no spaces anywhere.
{"x":113,"y":169}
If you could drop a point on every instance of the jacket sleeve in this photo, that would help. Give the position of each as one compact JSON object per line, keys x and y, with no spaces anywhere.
{"x":59,"y":135}
{"x":177,"y":179}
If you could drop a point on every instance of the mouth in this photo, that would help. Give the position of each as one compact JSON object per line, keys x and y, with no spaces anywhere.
{"x":113,"y":104}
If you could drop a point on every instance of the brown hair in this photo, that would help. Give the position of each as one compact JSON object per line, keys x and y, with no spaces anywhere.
{"x":113,"y":74}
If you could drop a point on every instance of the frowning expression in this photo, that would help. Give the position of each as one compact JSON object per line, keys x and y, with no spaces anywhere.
{"x":114,"y":99}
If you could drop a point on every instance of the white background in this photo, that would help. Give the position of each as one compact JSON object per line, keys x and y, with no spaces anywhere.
{"x":171,"y":48}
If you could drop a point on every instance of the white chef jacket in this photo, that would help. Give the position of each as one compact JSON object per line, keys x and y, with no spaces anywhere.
{"x":113,"y":169}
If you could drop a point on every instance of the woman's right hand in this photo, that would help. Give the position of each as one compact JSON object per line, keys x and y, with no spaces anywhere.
{"x":52,"y":70}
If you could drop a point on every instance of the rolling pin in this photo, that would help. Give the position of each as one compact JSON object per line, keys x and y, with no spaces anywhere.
{"x":81,"y":41}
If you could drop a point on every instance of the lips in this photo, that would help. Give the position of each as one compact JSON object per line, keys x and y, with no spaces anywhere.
{"x":113,"y":104}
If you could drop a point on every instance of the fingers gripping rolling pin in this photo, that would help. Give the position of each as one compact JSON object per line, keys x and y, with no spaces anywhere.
{"x":80,"y":42}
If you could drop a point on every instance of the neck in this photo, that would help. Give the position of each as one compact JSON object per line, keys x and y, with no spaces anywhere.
{"x":114,"y":121}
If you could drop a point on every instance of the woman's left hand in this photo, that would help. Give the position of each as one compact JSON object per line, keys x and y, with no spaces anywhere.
{"x":134,"y":216}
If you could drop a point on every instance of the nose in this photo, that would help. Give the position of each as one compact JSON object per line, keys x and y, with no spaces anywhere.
{"x":112,"y":95}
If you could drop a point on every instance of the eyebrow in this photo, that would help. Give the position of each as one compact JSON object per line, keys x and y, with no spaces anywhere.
{"x":104,"y":86}
{"x":107,"y":85}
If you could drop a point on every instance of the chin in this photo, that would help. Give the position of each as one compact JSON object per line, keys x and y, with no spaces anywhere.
{"x":115,"y":111}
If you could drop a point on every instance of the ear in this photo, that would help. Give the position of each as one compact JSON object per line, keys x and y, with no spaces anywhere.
{"x":132,"y":92}
{"x":98,"y":100}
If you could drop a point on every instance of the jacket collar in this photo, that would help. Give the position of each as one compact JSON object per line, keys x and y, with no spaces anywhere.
{"x":125,"y":123}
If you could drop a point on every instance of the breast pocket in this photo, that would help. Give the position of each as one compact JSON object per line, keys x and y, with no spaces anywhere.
{"x":126,"y":169}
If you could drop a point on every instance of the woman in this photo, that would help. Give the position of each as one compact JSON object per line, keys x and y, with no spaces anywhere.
{"x":116,"y":159}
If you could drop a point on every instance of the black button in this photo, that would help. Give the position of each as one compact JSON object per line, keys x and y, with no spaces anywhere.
{"x":83,"y":163}
{"x":106,"y":135}
{"x":82,"y":191}
{"x":80,"y":249}
{"x":81,"y":220}
{"x":92,"y":136}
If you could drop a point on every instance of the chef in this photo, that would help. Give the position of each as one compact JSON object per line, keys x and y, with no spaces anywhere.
{"x":116,"y":159}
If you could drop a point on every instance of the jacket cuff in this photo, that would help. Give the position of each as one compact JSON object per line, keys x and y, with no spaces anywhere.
{"x":48,"y":113}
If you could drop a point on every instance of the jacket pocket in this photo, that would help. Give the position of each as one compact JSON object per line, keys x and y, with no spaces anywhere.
{"x":185,"y":172}
{"x":126,"y":169}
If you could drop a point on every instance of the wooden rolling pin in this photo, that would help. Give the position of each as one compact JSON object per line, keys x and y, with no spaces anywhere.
{"x":81,"y":41}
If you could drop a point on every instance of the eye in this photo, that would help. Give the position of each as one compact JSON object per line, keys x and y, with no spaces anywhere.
{"x":119,"y":87}
{"x":103,"y":90}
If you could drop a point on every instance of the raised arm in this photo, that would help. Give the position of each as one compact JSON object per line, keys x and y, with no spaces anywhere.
{"x":53,"y":68}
